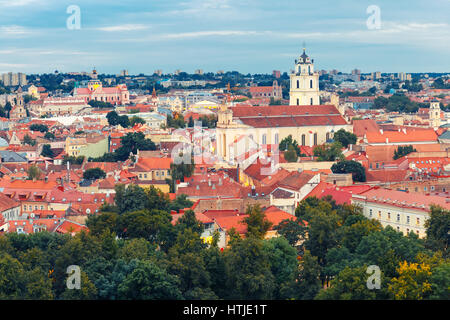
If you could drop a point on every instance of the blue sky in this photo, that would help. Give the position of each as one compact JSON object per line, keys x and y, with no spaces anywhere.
{"x":255,"y":36}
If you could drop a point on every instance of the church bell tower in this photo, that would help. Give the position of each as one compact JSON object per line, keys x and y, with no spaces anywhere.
{"x":304,"y":82}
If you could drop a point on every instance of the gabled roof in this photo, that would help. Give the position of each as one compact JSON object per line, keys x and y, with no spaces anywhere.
{"x":7,"y":203}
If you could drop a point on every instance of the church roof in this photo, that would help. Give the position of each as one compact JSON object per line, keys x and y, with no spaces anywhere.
{"x":288,"y":116}
{"x":304,"y":55}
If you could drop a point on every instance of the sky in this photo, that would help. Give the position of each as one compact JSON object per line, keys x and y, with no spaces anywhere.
{"x":249,"y":36}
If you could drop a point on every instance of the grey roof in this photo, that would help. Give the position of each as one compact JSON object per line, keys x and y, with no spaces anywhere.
{"x":10,"y":156}
{"x":3,"y":143}
{"x":445,"y":135}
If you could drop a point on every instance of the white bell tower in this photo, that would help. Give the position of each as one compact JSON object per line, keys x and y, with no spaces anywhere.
{"x":304,"y":82}
{"x":435,"y":114}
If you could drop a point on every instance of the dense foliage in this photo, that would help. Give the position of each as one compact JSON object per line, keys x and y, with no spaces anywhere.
{"x":403,"y":151}
{"x":344,"y":137}
{"x":396,"y":102}
{"x":134,"y":251}
{"x":349,"y":166}
{"x":129,"y":144}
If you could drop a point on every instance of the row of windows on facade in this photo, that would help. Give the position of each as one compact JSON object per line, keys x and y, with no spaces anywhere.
{"x":311,"y":101}
{"x":157,"y":174}
{"x":398,"y":217}
{"x":303,"y":138}
{"x":310,"y":84}
{"x":111,"y":98}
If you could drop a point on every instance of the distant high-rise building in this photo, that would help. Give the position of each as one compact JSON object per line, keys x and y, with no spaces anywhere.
{"x":276,"y":73}
{"x":158,"y":72}
{"x":408,"y":77}
{"x":334,"y":71}
{"x":401,"y":76}
{"x":14,"y":79}
{"x":220,"y":72}
{"x":199,"y":71}
{"x":124,"y":73}
{"x":356,"y":71}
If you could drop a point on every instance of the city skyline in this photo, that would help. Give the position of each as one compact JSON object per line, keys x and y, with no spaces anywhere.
{"x":246,"y":36}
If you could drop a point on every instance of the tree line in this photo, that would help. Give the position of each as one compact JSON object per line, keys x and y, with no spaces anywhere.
{"x":133,"y":251}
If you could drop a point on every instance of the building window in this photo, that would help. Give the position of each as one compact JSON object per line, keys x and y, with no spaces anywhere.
{"x":418,"y":220}
{"x":389,"y":216}
{"x":276,"y":138}
{"x":298,"y":102}
{"x":310,"y":84}
{"x":315,"y":139}
{"x":298,"y":85}
{"x":264,"y":139}
{"x":303,"y":140}
{"x":370,"y":213}
{"x":379,"y":214}
{"x":407,"y":220}
{"x":398,"y":217}
{"x":312,"y":102}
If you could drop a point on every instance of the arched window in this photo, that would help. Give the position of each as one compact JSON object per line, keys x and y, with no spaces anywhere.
{"x":303,"y":140}
{"x":315,"y":139}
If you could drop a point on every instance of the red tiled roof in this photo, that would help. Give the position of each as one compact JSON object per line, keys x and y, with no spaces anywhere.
{"x":403,"y":199}
{"x":407,"y":136}
{"x":7,"y":203}
{"x":386,"y":175}
{"x":360,"y":127}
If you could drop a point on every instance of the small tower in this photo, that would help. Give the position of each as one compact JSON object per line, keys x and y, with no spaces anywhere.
{"x":94,"y":74}
{"x":435,"y":114}
{"x":304,"y":82}
{"x":224,"y":115}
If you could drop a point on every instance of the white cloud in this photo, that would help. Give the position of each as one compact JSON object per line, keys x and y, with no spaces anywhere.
{"x":199,"y":34}
{"x":124,"y":27}
{"x":16,"y":3}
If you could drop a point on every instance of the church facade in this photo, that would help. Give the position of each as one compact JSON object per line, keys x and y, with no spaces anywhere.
{"x":308,"y":122}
